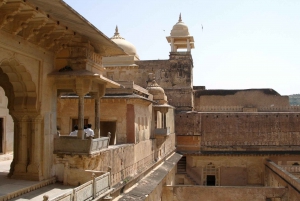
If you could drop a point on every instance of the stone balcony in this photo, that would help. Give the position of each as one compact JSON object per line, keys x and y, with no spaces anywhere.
{"x":73,"y":145}
{"x":162,"y":132}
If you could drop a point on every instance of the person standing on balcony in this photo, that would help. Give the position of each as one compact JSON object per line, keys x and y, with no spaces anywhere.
{"x":74,"y":133}
{"x":89,"y":131}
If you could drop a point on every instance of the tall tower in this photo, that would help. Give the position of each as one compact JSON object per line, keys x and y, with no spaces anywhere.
{"x":180,"y":37}
{"x":180,"y":93}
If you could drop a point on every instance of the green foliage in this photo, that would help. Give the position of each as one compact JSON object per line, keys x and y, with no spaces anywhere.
{"x":294,"y":99}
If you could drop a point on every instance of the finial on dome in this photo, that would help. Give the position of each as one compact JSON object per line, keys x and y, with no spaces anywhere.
{"x":116,"y":30}
{"x":180,"y":18}
{"x":117,"y":34}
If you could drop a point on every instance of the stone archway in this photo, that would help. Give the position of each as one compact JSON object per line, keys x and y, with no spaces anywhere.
{"x":22,"y":104}
{"x":22,"y":87}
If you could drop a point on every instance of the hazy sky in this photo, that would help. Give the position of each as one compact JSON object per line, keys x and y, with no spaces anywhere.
{"x":244,"y":43}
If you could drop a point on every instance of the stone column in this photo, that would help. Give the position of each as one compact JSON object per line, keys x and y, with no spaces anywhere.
{"x":98,"y":96}
{"x":80,"y":133}
{"x":34,"y":168}
{"x":188,"y":45}
{"x":82,"y":87}
{"x":19,"y":167}
{"x":97,"y":117}
{"x":163,"y":119}
{"x":172,"y":45}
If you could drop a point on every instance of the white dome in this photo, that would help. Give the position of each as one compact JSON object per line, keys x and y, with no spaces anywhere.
{"x":128,"y":47}
{"x":154,"y":89}
{"x":180,"y":29}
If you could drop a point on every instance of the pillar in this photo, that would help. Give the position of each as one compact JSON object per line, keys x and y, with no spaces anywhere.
{"x":172,"y":45}
{"x":21,"y":151}
{"x":82,"y":87}
{"x":97,"y":117}
{"x":80,"y":133}
{"x":34,"y":168}
{"x":163,"y":120}
{"x":188,"y":45}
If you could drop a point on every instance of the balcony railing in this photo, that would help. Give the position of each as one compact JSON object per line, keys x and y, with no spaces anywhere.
{"x":73,"y":145}
{"x":291,"y":168}
{"x":94,"y":189}
{"x":162,"y":132}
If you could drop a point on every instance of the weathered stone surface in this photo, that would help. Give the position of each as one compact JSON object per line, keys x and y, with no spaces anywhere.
{"x":240,"y":131}
{"x":178,"y":193}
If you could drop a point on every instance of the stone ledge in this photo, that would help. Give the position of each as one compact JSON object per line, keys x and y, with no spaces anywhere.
{"x":149,"y":183}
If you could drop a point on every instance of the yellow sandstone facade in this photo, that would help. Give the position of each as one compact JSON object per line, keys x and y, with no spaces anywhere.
{"x":157,"y":137}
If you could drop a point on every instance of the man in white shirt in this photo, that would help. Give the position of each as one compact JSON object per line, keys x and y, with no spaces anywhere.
{"x":74,"y":133}
{"x":89,"y":131}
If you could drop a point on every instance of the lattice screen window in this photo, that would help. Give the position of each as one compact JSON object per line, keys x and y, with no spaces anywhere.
{"x":211,"y":175}
{"x":110,"y":75}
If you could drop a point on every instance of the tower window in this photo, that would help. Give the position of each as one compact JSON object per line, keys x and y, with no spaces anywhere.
{"x":180,"y":73}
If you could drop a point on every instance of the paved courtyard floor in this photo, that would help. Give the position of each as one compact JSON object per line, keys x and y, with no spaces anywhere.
{"x":8,"y":186}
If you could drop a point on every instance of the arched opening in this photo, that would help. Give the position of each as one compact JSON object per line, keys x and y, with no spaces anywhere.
{"x":6,"y":127}
{"x":21,"y":107}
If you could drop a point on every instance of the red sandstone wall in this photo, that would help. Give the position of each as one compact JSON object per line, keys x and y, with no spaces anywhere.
{"x":250,"y":98}
{"x":240,"y":131}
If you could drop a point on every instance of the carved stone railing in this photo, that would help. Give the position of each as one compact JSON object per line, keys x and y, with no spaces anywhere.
{"x":291,"y":168}
{"x":133,"y":169}
{"x":128,"y":172}
{"x":159,"y":132}
{"x":73,"y":145}
{"x":97,"y":58}
{"x":95,"y":189}
{"x":288,"y":177}
{"x":239,"y":108}
{"x":295,"y":108}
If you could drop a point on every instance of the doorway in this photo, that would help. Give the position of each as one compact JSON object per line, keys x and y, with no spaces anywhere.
{"x":108,"y":126}
{"x":210,"y":180}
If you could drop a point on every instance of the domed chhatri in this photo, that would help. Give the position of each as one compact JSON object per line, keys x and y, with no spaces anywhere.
{"x":128,"y":47}
{"x":157,"y":91}
{"x":180,"y":29}
{"x":180,"y":37}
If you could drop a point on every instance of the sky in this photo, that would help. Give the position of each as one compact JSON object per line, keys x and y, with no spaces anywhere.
{"x":244,"y":44}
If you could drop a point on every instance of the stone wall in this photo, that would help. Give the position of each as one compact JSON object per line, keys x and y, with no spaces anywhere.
{"x":176,"y":193}
{"x":240,"y":131}
{"x":251,"y":98}
{"x":142,"y":116}
{"x":173,"y":75}
{"x":228,"y":170}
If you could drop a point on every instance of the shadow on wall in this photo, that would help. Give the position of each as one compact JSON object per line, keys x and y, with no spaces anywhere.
{"x":108,"y":126}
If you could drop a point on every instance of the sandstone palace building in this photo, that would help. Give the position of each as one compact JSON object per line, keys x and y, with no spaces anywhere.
{"x":157,"y":137}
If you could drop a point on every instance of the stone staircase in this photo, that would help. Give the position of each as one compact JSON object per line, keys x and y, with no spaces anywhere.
{"x":191,"y":179}
{"x":181,"y":169}
{"x":181,"y":165}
